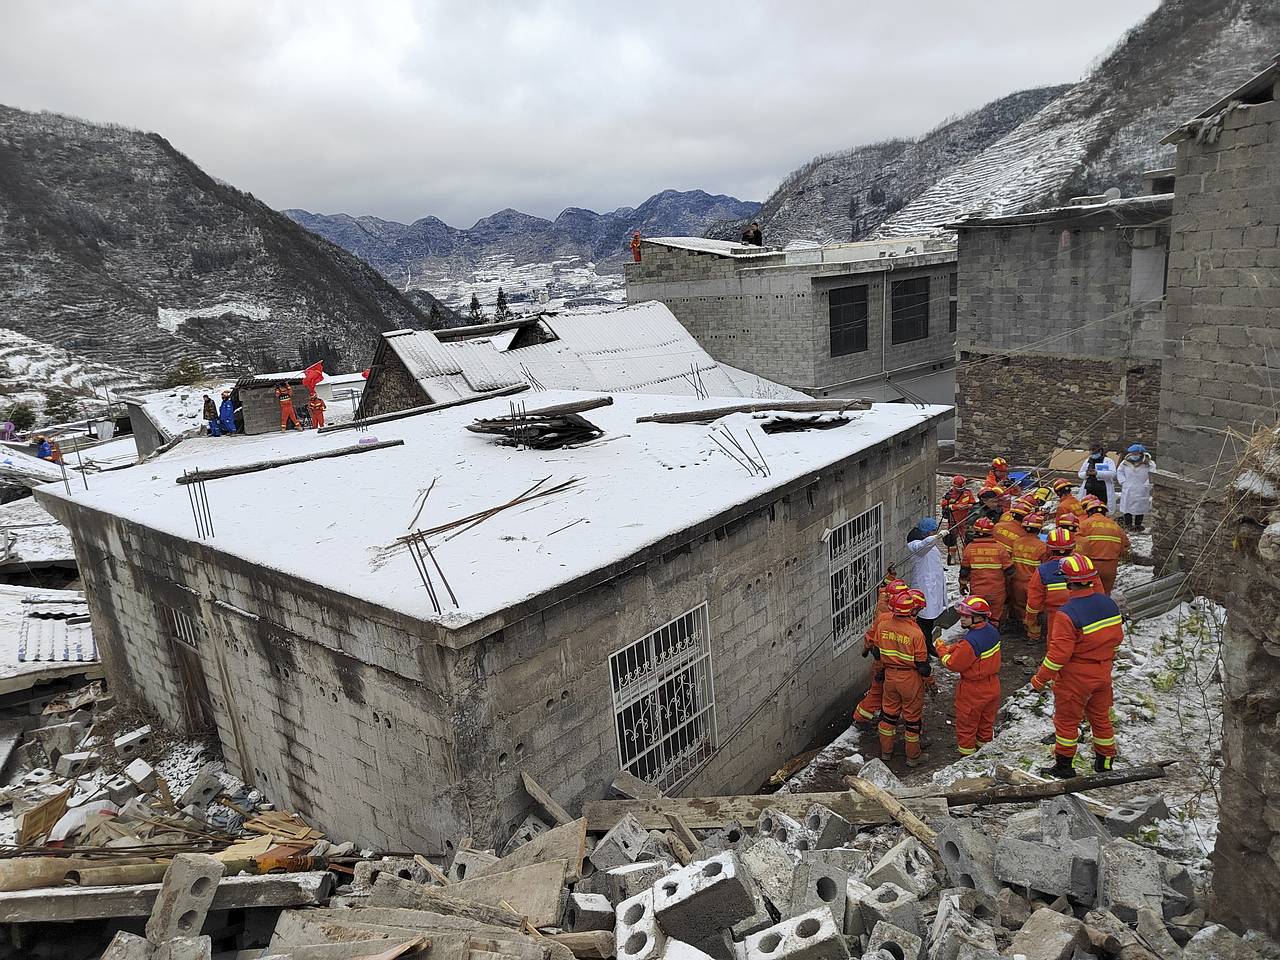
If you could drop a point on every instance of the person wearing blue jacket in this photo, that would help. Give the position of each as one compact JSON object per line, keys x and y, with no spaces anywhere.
{"x":227,"y":413}
{"x":44,"y":449}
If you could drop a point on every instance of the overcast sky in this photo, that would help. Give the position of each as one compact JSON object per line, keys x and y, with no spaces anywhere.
{"x":459,"y":108}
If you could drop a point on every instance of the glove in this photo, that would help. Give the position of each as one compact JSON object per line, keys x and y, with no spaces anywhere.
{"x":875,"y":652}
{"x":1040,"y":685}
{"x":866,"y":652}
{"x":924,"y":668}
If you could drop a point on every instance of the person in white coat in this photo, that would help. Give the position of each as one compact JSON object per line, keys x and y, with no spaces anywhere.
{"x":928,"y":573}
{"x":1134,"y":475}
{"x":1098,"y":477}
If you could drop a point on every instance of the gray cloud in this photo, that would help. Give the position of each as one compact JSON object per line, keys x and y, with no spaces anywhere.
{"x":402,"y":109}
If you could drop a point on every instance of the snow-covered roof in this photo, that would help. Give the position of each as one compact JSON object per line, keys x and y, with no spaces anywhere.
{"x":37,"y":537}
{"x":1121,"y":211}
{"x":39,"y":641}
{"x":177,"y":410}
{"x":723,"y":248}
{"x":338,"y":521}
{"x":439,"y":371}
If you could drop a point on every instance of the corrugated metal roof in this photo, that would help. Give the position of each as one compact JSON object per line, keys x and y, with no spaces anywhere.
{"x":446,"y":372}
{"x":44,"y":640}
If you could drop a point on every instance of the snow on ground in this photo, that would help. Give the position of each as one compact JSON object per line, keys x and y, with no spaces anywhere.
{"x":181,"y":409}
{"x":168,"y":318}
{"x":37,"y":537}
{"x":529,"y":287}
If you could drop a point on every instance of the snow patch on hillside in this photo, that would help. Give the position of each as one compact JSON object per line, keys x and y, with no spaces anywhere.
{"x":170,"y":318}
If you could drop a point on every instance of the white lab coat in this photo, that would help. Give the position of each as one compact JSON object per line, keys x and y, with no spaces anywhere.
{"x":1135,"y":486}
{"x":929,"y":575}
{"x":1107,"y":474}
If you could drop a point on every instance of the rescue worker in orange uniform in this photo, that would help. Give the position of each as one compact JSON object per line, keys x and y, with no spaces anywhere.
{"x":899,"y":646}
{"x":1047,"y":590}
{"x":998,"y":475}
{"x":1067,"y":500}
{"x":1104,"y":542}
{"x":315,"y":408}
{"x":1028,"y":553}
{"x":284,"y":394}
{"x":957,"y":504}
{"x":868,"y":708}
{"x":1083,"y":638}
{"x":1069,"y":521}
{"x":1010,"y":530}
{"x":985,"y":568}
{"x":976,"y":657}
{"x":989,"y":504}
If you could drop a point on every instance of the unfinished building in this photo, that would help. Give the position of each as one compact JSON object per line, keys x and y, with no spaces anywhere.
{"x":848,"y":319}
{"x":1061,"y":327}
{"x":657,"y":600}
{"x":637,"y":349}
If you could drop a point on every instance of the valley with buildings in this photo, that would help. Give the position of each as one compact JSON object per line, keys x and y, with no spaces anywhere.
{"x":884,"y":569}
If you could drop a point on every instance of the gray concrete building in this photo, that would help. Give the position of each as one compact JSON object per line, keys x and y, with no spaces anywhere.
{"x":875,"y":320}
{"x":1061,"y":327}
{"x":670,"y":612}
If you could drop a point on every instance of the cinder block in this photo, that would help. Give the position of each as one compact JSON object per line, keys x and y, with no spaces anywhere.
{"x":1129,"y":879}
{"x":60,"y":738}
{"x":732,"y":836}
{"x":622,"y":844}
{"x":466,"y":861}
{"x":72,"y":765}
{"x":851,"y":861}
{"x":956,"y":933}
{"x":636,"y":933}
{"x":787,"y":830}
{"x":855,"y":892}
{"x":1136,"y":814}
{"x":133,"y":742}
{"x":1025,"y":825}
{"x":366,"y":872}
{"x":968,"y":856}
{"x":772,"y":865}
{"x":588,"y":911}
{"x":657,"y":848}
{"x":761,"y":916}
{"x":891,"y":904}
{"x":695,"y":902}
{"x":184,"y":897}
{"x":185,"y":948}
{"x":128,"y":946}
{"x":624,"y":882}
{"x":204,"y":788}
{"x":1069,"y":870}
{"x":815,"y":885}
{"x":810,"y":936}
{"x":528,"y":828}
{"x":37,"y":776}
{"x":828,"y":828}
{"x":1049,"y":935}
{"x":120,"y":789}
{"x":676,"y":950}
{"x":1063,"y":819}
{"x":895,"y":942}
{"x":907,"y":864}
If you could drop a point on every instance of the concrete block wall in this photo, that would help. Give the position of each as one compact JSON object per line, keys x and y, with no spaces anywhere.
{"x":390,"y":387}
{"x":262,"y":409}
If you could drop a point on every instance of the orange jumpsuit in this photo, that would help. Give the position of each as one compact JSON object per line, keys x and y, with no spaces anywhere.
{"x":976,"y":657}
{"x":901,"y":645}
{"x":1068,"y":504}
{"x":315,"y":407}
{"x":868,"y":707}
{"x":284,"y":393}
{"x":1008,"y":531}
{"x":957,"y":505}
{"x":1046,"y":593}
{"x":1083,"y":638}
{"x":1028,"y":553}
{"x":984,"y":570}
{"x":1103,"y":541}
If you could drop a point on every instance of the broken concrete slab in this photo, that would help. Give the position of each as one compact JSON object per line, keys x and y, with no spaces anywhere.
{"x":695,"y":902}
{"x":855,"y":892}
{"x":1129,"y":879}
{"x":956,"y":933}
{"x":533,"y":891}
{"x":878,"y":772}
{"x":636,"y":931}
{"x":827,"y":827}
{"x":1067,"y":818}
{"x":810,"y":936}
{"x":907,"y":864}
{"x":895,"y":942}
{"x":1218,"y":943}
{"x":128,"y":946}
{"x":968,"y":855}
{"x":1139,"y":812}
{"x":1066,"y":870}
{"x":469,"y":863}
{"x":60,"y":738}
{"x":621,"y":845}
{"x":816,"y":884}
{"x":852,"y":861}
{"x":1048,"y":935}
{"x":185,"y":948}
{"x":772,"y":864}
{"x":1152,"y":929}
{"x":1012,"y":908}
{"x":627,"y":786}
{"x":184,"y":897}
{"x":568,"y":842}
{"x":588,"y":911}
{"x":365,"y":872}
{"x":624,"y":882}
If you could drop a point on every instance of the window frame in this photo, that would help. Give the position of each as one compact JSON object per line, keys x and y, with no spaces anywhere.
{"x":859,"y":540}
{"x":919,"y":323}
{"x":856,"y":327}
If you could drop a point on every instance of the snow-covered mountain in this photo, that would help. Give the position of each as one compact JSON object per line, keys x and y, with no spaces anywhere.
{"x":117,"y":252}
{"x":404,"y":253}
{"x":1106,"y":130}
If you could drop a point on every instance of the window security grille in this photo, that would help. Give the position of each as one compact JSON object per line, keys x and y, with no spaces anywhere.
{"x":856,"y":551}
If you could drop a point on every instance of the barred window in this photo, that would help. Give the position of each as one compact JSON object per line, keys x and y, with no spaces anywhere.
{"x":855,"y":552}
{"x":847,"y":313}
{"x":909,"y":306}
{"x":664,"y":700}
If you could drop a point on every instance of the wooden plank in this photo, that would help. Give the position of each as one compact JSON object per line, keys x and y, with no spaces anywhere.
{"x":219,"y":473}
{"x":1027,"y":792}
{"x":591,"y":945}
{"x":684,"y":834}
{"x":532,"y":891}
{"x":541,"y":797}
{"x":627,"y":786}
{"x":392,"y":891}
{"x":568,"y":843}
{"x":426,"y":408}
{"x":708,"y":414}
{"x":682,"y":852}
{"x":910,"y":822}
{"x":706,"y":813}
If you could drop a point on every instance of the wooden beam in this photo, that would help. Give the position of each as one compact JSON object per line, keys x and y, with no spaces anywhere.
{"x":573,"y":406}
{"x":568,"y":843}
{"x":544,"y":800}
{"x":425,"y":408}
{"x":218,"y":473}
{"x":591,"y":945}
{"x":1026,"y":792}
{"x":483,"y":329}
{"x":1015,"y":775}
{"x":627,"y":786}
{"x":684,"y":834}
{"x":910,"y":822}
{"x":705,"y":813}
{"x":708,"y":414}
{"x":392,"y":891}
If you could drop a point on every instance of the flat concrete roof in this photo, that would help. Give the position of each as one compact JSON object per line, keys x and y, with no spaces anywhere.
{"x":1124,"y":211}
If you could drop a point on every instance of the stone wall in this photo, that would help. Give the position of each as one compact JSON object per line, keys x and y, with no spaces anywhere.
{"x":262,"y":409}
{"x":397,"y":733}
{"x":390,"y":388}
{"x":772,"y":319}
{"x":1050,"y":337}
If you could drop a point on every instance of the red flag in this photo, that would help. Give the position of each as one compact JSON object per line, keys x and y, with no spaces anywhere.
{"x":313,"y":375}
{"x":365,"y":373}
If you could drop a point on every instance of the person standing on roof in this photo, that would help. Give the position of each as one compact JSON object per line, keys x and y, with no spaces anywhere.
{"x":227,"y":413}
{"x":210,"y":413}
{"x":905,"y":660}
{"x":44,"y":449}
{"x":957,"y":503}
{"x":928,"y":572}
{"x":985,"y":568}
{"x":1047,"y":589}
{"x":1098,"y":476}
{"x":752,"y":236}
{"x":1083,"y":639}
{"x":1134,"y":475}
{"x":284,"y":394}
{"x":635,"y":246}
{"x":976,"y":657}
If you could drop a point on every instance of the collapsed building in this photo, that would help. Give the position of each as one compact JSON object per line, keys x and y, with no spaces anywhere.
{"x":386,"y":626}
{"x":847,"y":319}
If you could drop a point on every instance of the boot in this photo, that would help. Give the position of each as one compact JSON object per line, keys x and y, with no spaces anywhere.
{"x":1137,"y":523}
{"x":916,"y":761}
{"x":1061,"y":768}
{"x":1102,"y":764}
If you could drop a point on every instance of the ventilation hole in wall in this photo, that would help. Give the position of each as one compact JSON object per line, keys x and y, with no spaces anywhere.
{"x":375,"y":716}
{"x":502,"y":760}
{"x":519,"y":750}
{"x":335,"y":698}
{"x":448,"y":844}
{"x":387,"y":722}
{"x":564,"y":694}
{"x":551,"y":702}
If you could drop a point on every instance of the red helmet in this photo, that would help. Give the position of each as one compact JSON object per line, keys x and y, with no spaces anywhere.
{"x":1000,"y":465}
{"x":1062,"y":485}
{"x":1078,"y":568}
{"x":1068,"y":522}
{"x":991,"y":492}
{"x":973,"y":606}
{"x":1062,"y":540}
{"x":1022,"y":508}
{"x":983,"y":526}
{"x":958,"y":481}
{"x":1033,"y":521}
{"x":902,"y":603}
{"x":918,"y":597}
{"x":1095,"y":506}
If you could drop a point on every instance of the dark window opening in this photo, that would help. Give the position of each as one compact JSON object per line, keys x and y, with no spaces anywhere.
{"x":953,"y":303}
{"x":910,"y":309}
{"x":847,"y":307}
